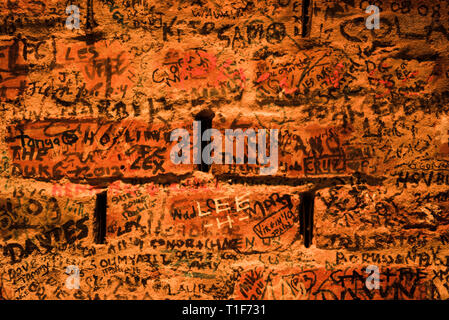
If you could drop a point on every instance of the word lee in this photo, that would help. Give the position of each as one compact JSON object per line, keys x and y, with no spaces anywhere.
{"x":241,"y":204}
{"x":180,"y":152}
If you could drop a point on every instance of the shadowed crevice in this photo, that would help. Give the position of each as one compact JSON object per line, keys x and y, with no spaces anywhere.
{"x":306,"y":18}
{"x":306,"y":210}
{"x":205,"y":117}
{"x":100,"y":217}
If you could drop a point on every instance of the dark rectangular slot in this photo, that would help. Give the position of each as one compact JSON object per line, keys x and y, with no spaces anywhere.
{"x":90,"y":21}
{"x":306,"y":4}
{"x":205,"y":117}
{"x":306,"y":214}
{"x":100,"y":217}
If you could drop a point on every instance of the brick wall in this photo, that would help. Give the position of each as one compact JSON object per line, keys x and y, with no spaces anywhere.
{"x":86,"y":178}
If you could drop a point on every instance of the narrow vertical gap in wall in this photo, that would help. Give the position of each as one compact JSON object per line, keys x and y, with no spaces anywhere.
{"x":306,"y":217}
{"x":205,"y":117}
{"x":90,"y":21}
{"x":100,"y":217}
{"x":306,"y":17}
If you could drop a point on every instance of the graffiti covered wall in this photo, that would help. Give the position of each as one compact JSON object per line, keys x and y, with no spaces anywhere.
{"x":90,"y":97}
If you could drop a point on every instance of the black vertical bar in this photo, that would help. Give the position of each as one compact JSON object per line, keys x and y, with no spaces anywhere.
{"x":205,"y":117}
{"x":90,"y":21}
{"x":100,"y":217}
{"x":306,"y":222}
{"x":306,"y":4}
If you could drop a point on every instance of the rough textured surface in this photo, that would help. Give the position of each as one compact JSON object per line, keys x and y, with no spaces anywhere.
{"x":86,"y":177}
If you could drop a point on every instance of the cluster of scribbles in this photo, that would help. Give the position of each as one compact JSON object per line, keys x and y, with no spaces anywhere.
{"x":95,"y":205}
